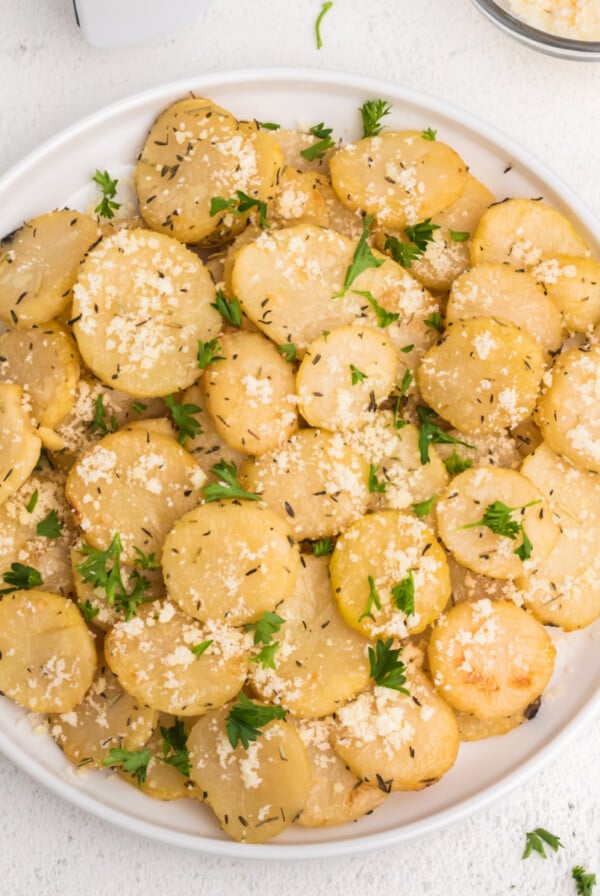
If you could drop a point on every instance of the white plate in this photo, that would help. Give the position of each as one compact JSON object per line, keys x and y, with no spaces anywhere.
{"x":58,"y":173}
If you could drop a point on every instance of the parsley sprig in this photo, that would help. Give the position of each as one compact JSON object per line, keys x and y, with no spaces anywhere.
{"x":21,"y":578}
{"x":175,"y":751}
{"x":371,"y":113}
{"x":133,"y":761}
{"x":362,"y":259}
{"x":430,"y":433}
{"x":536,"y":839}
{"x":403,"y":594}
{"x":102,"y":569}
{"x":227,"y":485}
{"x":324,"y":142}
{"x":584,"y":883}
{"x":239,"y":206}
{"x":229,"y":309}
{"x":50,"y":526}
{"x":498,"y":518}
{"x":245,"y":720}
{"x":182,"y":414}
{"x":419,"y":236}
{"x":267,"y":626}
{"x":108,"y":185}
{"x":208,"y":353}
{"x":386,"y":669}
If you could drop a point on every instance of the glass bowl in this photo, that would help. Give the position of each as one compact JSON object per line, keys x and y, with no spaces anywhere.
{"x":552,"y":44}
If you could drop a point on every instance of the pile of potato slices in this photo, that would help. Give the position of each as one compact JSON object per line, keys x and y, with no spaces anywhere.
{"x":296,"y":465}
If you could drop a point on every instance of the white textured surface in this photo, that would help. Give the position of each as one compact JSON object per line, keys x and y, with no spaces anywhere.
{"x":50,"y":78}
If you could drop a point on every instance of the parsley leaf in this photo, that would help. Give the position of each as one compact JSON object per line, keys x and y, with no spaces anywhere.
{"x":50,"y":526}
{"x":384,"y":318}
{"x":145,"y":561}
{"x":375,"y":485}
{"x":362,"y":259}
{"x":584,"y":883}
{"x":227,"y":486}
{"x":322,"y":547}
{"x":288,"y":350}
{"x":21,"y":578}
{"x":498,"y":518}
{"x":207,"y":353}
{"x":107,"y":205}
{"x":357,"y":375}
{"x":372,"y":600}
{"x":402,"y":253}
{"x":266,"y":657}
{"x":429,"y":134}
{"x":434,"y":321}
{"x":88,"y":611}
{"x":267,"y":626}
{"x":317,"y":150}
{"x":371,"y":112}
{"x":430,"y":433}
{"x":403,"y":594}
{"x":246,"y":718}
{"x":324,"y":9}
{"x":535,"y":842}
{"x":229,"y":309}
{"x":99,"y":423}
{"x":422,"y":508}
{"x":30,"y":506}
{"x":459,"y":236}
{"x":175,"y":751}
{"x":184,"y":422}
{"x":135,"y":762}
{"x":269,"y":125}
{"x":199,"y":649}
{"x":422,"y":233}
{"x":102,"y":569}
{"x":456,"y":464}
{"x":386,"y":669}
{"x":239,"y":206}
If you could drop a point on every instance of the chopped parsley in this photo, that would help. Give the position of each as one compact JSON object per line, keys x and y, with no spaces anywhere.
{"x":208,"y":353}
{"x":50,"y":526}
{"x":535,"y":841}
{"x":357,"y":375}
{"x":241,"y":205}
{"x":21,"y":578}
{"x":430,"y":433}
{"x":434,"y":322}
{"x":108,"y":185}
{"x":459,"y":236}
{"x":419,"y":236}
{"x":267,"y":626}
{"x":183,"y":419}
{"x":202,"y":647}
{"x":227,"y":485}
{"x":324,"y":9}
{"x":175,"y":751}
{"x":88,"y":611}
{"x":288,"y":351}
{"x":456,"y":464}
{"x":133,"y":761}
{"x":403,"y":594}
{"x":323,"y":546}
{"x":429,"y":134}
{"x":498,"y":518}
{"x":31,"y":504}
{"x":422,"y":508}
{"x":229,"y":309}
{"x":99,"y":423}
{"x":371,"y":113}
{"x":324,"y":142}
{"x":387,"y":670}
{"x":584,"y":883}
{"x":246,"y":718}
{"x":376,"y":486}
{"x":372,"y":601}
{"x":266,"y":656}
{"x":102,"y":569}
{"x":362,"y":260}
{"x":384,"y":318}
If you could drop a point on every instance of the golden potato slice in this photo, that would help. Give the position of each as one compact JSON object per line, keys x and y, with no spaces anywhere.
{"x":251,"y":393}
{"x":471,"y":728}
{"x":565,"y":588}
{"x":256,"y":793}
{"x":398,"y":176}
{"x":161,"y":657}
{"x":39,"y":263}
{"x":47,"y":654}
{"x":481,"y":491}
{"x":207,"y":446}
{"x":490,"y":658}
{"x":567,"y":412}
{"x":298,"y":200}
{"x":319,"y":662}
{"x":343,"y":375}
{"x":482,"y":375}
{"x":398,"y":741}
{"x":45,"y":362}
{"x":230,"y":562}
{"x":106,"y":717}
{"x":499,"y":291}
{"x":19,"y":444}
{"x":142,"y":301}
{"x":196,"y":151}
{"x":522,"y":232}
{"x":573,"y":285}
{"x":37,"y":530}
{"x":134,"y":483}
{"x":315,"y":481}
{"x":336,"y":795}
{"x":389,"y":575}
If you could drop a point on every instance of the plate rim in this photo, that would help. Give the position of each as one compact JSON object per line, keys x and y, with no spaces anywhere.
{"x":544,"y":752}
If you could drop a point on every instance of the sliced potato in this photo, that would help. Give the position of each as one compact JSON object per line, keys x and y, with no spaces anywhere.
{"x":320,"y":662}
{"x":461,"y":511}
{"x":152,"y":655}
{"x":142,"y":301}
{"x":523,"y":232}
{"x":39,"y":263}
{"x":398,"y":176}
{"x":336,"y":795}
{"x":573,"y":285}
{"x":499,"y":291}
{"x":299,"y":200}
{"x":398,"y":741}
{"x":251,"y":393}
{"x":315,"y":481}
{"x":47,"y":654}
{"x":19,"y":444}
{"x":230,"y":562}
{"x":134,"y":483}
{"x":256,"y":793}
{"x":490,"y":658}
{"x":207,"y":446}
{"x":376,"y":561}
{"x":343,"y":375}
{"x":482,"y":375}
{"x":471,"y":728}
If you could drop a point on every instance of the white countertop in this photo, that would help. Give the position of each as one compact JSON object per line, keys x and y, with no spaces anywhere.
{"x":50,"y":78}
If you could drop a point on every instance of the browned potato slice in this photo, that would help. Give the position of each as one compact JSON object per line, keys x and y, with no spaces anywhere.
{"x":336,"y":795}
{"x":251,"y":393}
{"x":565,"y":589}
{"x":142,"y":301}
{"x":19,"y":444}
{"x":522,"y":232}
{"x":195,"y":151}
{"x":106,"y":717}
{"x":471,"y":728}
{"x":230,"y":562}
{"x":315,"y":481}
{"x":377,"y":559}
{"x":256,"y":793}
{"x":567,"y":413}
{"x":298,"y":200}
{"x":482,"y":375}
{"x":490,"y":658}
{"x":462,"y":507}
{"x":573,"y":285}
{"x":45,"y":362}
{"x":398,"y":741}
{"x":343,"y":374}
{"x":319,"y":662}
{"x":398,"y":176}
{"x":39,"y":263}
{"x":40,"y":502}
{"x":153,"y":657}
{"x":499,"y":291}
{"x":47,"y":654}
{"x":134,"y":483}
